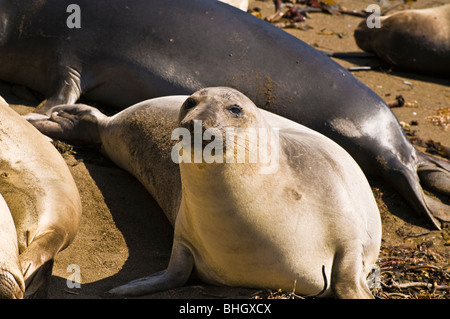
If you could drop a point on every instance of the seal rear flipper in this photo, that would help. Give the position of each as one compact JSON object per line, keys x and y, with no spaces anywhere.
{"x":176,"y":275}
{"x":37,"y":285}
{"x":37,"y":261}
{"x":76,"y":124}
{"x":439,"y":210}
{"x":406,"y":181}
{"x":434,"y":174}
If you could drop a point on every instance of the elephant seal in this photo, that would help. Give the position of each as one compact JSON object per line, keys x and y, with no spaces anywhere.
{"x":414,"y":40}
{"x":159,"y":54}
{"x":41,"y":195}
{"x":12,"y":285}
{"x":240,"y":4}
{"x":237,"y":225}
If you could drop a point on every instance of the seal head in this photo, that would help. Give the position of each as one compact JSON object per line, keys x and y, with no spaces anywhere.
{"x":232,"y":123}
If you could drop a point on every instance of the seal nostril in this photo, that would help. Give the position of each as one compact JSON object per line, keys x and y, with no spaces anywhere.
{"x":190,"y":103}
{"x":189,"y":124}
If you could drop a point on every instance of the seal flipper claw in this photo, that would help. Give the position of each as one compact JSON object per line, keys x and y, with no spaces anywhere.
{"x":178,"y":272}
{"x":76,"y":124}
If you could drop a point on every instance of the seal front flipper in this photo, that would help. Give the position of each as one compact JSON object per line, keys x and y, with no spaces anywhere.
{"x":67,"y":90}
{"x":178,"y":272}
{"x":76,"y":124}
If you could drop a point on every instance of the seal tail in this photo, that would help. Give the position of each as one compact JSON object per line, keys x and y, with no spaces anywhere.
{"x":74,"y":123}
{"x":405,"y":179}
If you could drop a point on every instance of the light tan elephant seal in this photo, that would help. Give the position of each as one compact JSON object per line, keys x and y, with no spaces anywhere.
{"x":41,"y":195}
{"x":236,"y":224}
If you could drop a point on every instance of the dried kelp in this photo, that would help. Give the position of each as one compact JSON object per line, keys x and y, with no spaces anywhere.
{"x":413,"y":273}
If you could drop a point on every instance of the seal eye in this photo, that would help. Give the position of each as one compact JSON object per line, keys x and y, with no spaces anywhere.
{"x":189,"y":104}
{"x":235,"y":110}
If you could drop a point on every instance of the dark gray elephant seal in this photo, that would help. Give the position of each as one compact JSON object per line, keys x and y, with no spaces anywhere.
{"x":41,"y":195}
{"x":12,"y":285}
{"x":235,"y":222}
{"x":414,"y":40}
{"x":159,"y":53}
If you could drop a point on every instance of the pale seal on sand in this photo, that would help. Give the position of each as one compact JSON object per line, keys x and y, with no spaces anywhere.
{"x":314,"y":221}
{"x":41,"y":195}
{"x":12,"y":285}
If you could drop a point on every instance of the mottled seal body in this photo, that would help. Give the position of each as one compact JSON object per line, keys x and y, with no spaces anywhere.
{"x":41,"y":195}
{"x":236,"y":226}
{"x":12,"y":285}
{"x":159,"y":53}
{"x":414,"y":40}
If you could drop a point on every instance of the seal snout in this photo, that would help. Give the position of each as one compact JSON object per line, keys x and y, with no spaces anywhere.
{"x":193,"y":117}
{"x":9,"y":286}
{"x":189,"y":104}
{"x":197,"y":127}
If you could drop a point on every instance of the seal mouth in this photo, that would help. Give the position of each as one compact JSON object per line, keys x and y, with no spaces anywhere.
{"x":205,"y":143}
{"x":9,"y":286}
